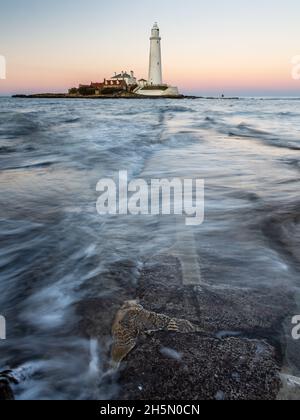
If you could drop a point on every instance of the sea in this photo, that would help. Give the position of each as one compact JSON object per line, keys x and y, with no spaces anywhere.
{"x":57,"y":251}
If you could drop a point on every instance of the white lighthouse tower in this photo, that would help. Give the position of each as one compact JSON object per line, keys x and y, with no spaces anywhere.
{"x":155,"y":86}
{"x":155,"y":66}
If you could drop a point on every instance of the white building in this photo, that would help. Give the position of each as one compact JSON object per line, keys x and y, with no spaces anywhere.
{"x":142,"y":83}
{"x":155,"y":85}
{"x":130,"y":79}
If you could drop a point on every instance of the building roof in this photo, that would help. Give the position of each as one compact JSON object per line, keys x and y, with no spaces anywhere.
{"x":96,"y":85}
{"x":143,"y":80}
{"x":122,"y":76}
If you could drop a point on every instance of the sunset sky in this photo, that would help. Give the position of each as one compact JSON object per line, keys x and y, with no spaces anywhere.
{"x":234,"y":47}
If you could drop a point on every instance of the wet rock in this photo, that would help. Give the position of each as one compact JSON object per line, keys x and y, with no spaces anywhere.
{"x":208,"y":369}
{"x":133,"y":320}
{"x":250,"y":312}
{"x":6,"y":393}
{"x":236,"y":357}
{"x":107,"y":294}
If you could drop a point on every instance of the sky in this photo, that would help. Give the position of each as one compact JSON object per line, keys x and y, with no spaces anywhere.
{"x":232,"y":47}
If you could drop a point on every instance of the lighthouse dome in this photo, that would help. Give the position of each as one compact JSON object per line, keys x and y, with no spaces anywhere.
{"x":155,"y":31}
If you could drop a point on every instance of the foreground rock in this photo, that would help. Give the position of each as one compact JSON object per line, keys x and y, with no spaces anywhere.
{"x":236,"y":357}
{"x":237,"y":354}
{"x":190,"y":367}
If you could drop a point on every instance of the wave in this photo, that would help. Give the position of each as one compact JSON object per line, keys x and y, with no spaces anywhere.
{"x":71,"y":120}
{"x":30,"y":166}
{"x":282,"y":227}
{"x":246,"y":131}
{"x":17,"y":125}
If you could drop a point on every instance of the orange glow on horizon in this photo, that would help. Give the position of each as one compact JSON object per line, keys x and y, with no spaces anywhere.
{"x":202,"y":75}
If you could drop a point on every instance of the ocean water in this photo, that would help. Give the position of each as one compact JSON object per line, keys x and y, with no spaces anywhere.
{"x":56,"y":251}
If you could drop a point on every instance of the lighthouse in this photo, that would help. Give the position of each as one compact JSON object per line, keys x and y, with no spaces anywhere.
{"x":155,"y":66}
{"x":155,"y":86}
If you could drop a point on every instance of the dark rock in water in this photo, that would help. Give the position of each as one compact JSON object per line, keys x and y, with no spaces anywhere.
{"x":6,"y":393}
{"x":97,"y":313}
{"x":98,"y":310}
{"x":208,"y":369}
{"x":251,"y":312}
{"x":133,"y":320}
{"x":236,"y":356}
